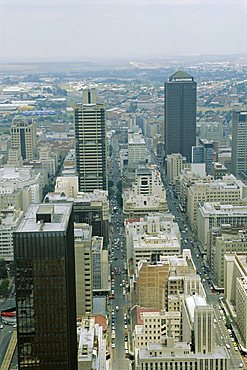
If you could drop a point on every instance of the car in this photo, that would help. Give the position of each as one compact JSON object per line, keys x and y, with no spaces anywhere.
{"x":241,"y":365}
{"x":113,"y":345}
{"x":15,"y":326}
{"x":1,"y":326}
{"x":117,"y":308}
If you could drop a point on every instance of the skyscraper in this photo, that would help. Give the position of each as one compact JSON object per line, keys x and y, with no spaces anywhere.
{"x":45,"y":288}
{"x":239,"y":142}
{"x":204,"y":153}
{"x":23,"y":137}
{"x":91,"y":150}
{"x":180,"y":114}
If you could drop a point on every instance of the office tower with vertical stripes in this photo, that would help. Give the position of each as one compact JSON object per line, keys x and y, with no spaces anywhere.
{"x":90,"y":143}
{"x":239,"y":142}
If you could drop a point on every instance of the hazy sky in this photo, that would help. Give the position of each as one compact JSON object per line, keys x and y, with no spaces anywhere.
{"x":83,"y":29}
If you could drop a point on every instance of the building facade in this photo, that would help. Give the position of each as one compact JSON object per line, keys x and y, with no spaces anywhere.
{"x":45,"y":288}
{"x":91,"y":146}
{"x":180,"y":114}
{"x":23,"y":136}
{"x":239,"y":142}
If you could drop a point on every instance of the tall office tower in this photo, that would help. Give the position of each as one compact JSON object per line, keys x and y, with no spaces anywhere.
{"x":239,"y":142}
{"x":23,"y":136}
{"x":45,"y":288}
{"x":91,"y":150}
{"x":180,"y":114}
{"x":204,"y":329}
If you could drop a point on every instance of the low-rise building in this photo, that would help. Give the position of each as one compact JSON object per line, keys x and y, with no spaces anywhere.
{"x":214,"y":214}
{"x":92,"y":346}
{"x":229,"y":190}
{"x":225,"y":240}
{"x":147,"y":194}
{"x":236,"y":294}
{"x":19,"y":187}
{"x":9,"y":219}
{"x":83,"y":269}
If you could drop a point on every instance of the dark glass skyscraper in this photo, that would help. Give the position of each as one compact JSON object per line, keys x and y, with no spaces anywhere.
{"x":45,"y":288}
{"x":180,"y":114}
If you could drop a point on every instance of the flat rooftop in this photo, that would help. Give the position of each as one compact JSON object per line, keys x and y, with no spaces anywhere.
{"x":60,"y":216}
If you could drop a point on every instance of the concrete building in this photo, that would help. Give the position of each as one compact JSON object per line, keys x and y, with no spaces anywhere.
{"x":191,"y":175}
{"x":90,"y":208}
{"x":229,"y":190}
{"x":174,"y":166}
{"x":93,"y":209}
{"x":204,"y":153}
{"x":212,"y":131}
{"x":239,"y":142}
{"x":225,"y":240}
{"x":9,"y":219}
{"x":92,"y":346}
{"x":151,"y":247}
{"x":23,"y":136}
{"x":83,"y":269}
{"x":180,"y":114}
{"x":91,"y":145}
{"x":159,"y":285}
{"x":45,"y":288}
{"x":147,"y":194}
{"x":169,"y":353}
{"x":155,"y":325}
{"x":19,"y":187}
{"x":14,"y":157}
{"x":100,"y":266}
{"x":151,"y":285}
{"x":154,"y":224}
{"x":137,"y":151}
{"x":219,"y":170}
{"x":178,"y":356}
{"x":214,"y":214}
{"x":67,"y":185}
{"x":236,"y":294}
{"x":48,"y":159}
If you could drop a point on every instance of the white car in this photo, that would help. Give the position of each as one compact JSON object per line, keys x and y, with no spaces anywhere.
{"x":117,"y":308}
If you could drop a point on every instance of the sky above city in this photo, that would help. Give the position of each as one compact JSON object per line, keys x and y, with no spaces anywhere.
{"x":101,"y":29}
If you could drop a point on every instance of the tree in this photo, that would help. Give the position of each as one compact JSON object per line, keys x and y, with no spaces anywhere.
{"x":47,"y":189}
{"x":3,"y":269}
{"x":12,"y":268}
{"x":119,"y":199}
{"x":120,"y":186}
{"x":4,"y":286}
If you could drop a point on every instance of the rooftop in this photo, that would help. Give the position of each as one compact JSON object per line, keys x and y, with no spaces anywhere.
{"x":192,"y":302}
{"x":61,"y":214}
{"x":181,"y":75}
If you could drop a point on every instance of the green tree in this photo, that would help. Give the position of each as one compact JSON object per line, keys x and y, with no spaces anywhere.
{"x":119,"y":199}
{"x":4,"y":286}
{"x":120,"y":186}
{"x":12,"y":268}
{"x":47,"y":189}
{"x":3,"y":269}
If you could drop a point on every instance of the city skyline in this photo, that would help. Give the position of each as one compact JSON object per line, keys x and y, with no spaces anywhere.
{"x":160,"y":28}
